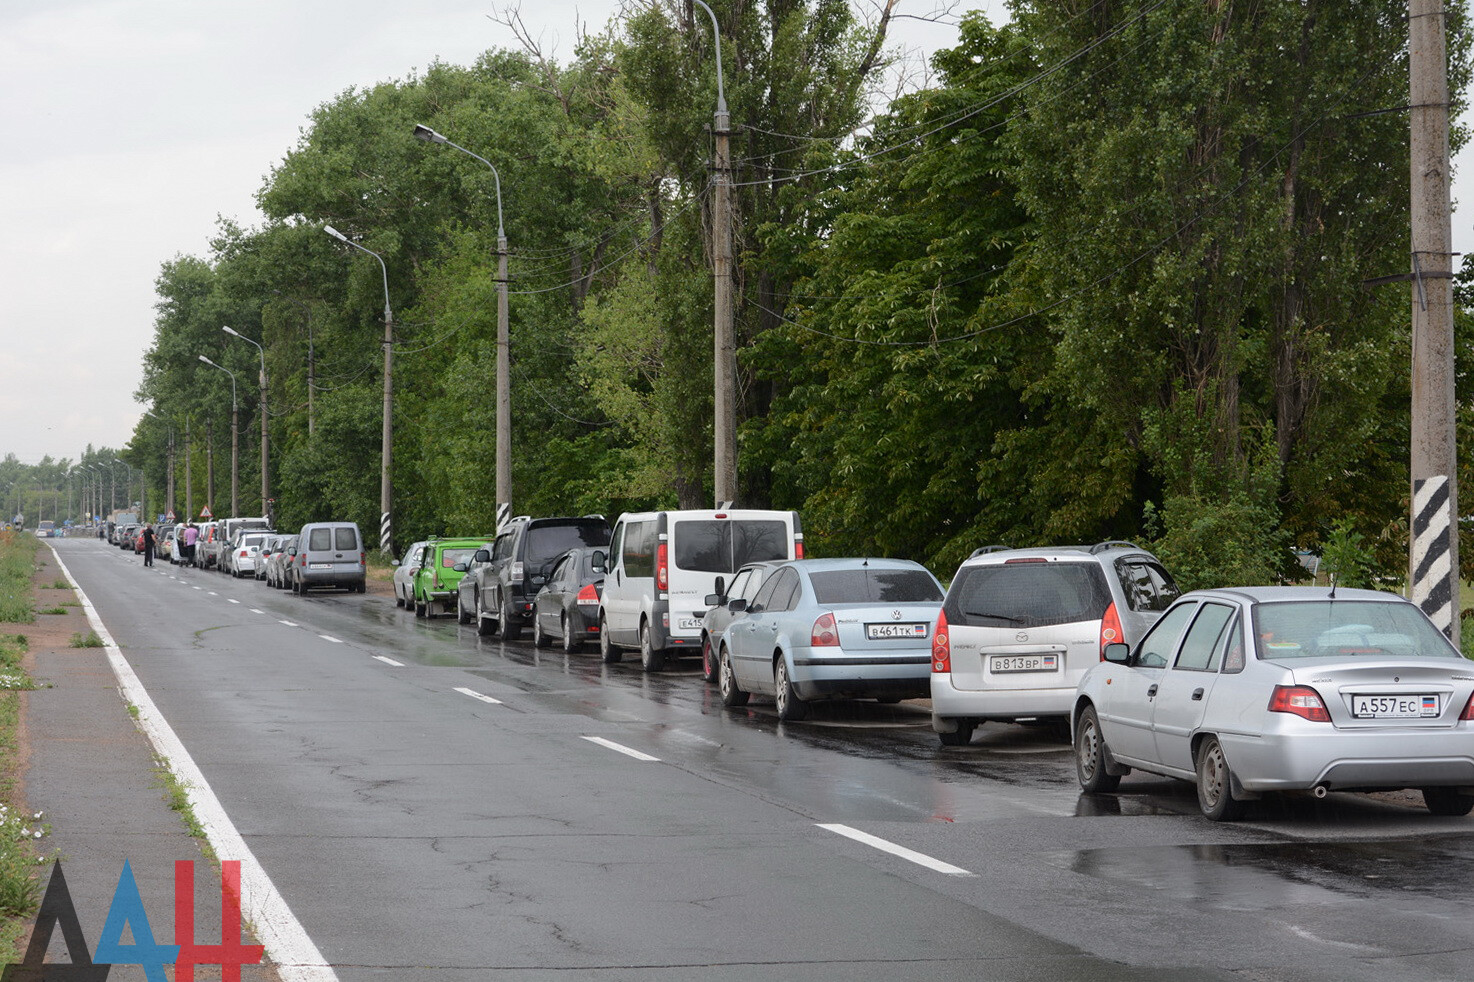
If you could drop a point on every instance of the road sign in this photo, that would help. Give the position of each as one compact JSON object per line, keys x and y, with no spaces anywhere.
{"x":205,"y":512}
{"x":169,"y":517}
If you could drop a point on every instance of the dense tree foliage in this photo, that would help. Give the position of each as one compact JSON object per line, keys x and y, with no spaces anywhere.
{"x":1102,"y":278}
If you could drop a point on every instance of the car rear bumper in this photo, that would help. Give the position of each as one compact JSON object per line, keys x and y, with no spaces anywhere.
{"x":331,"y":577}
{"x":1362,"y":760}
{"x":894,"y":675}
{"x":950,"y":702}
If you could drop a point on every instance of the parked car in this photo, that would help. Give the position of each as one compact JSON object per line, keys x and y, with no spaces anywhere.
{"x":228,"y":530}
{"x":128,"y":537}
{"x":744,"y":586}
{"x":566,"y":609}
{"x":280,"y":564}
{"x":244,"y":553}
{"x":329,"y":554}
{"x":441,"y":564}
{"x":207,"y":546}
{"x":1020,"y":627}
{"x":404,"y":575}
{"x":832,"y":629}
{"x":164,"y":541}
{"x":263,"y":556}
{"x":1264,"y":689}
{"x":505,"y":582}
{"x":663,"y":565}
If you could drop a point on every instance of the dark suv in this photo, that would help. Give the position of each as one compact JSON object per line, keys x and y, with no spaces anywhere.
{"x":500,"y":584}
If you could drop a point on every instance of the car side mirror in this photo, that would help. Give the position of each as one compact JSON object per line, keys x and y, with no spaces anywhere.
{"x":600,"y":559}
{"x":482,"y":556}
{"x":713,"y":600}
{"x":459,"y":567}
{"x":739,"y":605}
{"x":538,"y":580}
{"x":721,"y":585}
{"x":1118,"y":653}
{"x":393,"y":562}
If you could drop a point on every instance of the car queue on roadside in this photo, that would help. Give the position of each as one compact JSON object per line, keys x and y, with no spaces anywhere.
{"x":1245,"y":692}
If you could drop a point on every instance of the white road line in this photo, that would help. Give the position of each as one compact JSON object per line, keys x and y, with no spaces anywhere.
{"x":329,"y":637}
{"x":287,"y":943}
{"x":884,"y":845}
{"x":214,"y":594}
{"x":233,"y":601}
{"x":390,"y":661}
{"x":255,"y":611}
{"x":628,"y":752}
{"x":477,"y":695}
{"x":199,"y":588}
{"x":288,"y":623}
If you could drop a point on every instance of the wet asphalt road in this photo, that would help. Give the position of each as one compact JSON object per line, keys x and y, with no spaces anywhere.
{"x":423,"y":834}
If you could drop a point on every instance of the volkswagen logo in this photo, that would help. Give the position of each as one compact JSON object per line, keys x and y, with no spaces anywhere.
{"x":1021,"y":637}
{"x":895,"y":615}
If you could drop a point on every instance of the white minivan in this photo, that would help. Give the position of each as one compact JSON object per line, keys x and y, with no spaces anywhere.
{"x":663,"y":564}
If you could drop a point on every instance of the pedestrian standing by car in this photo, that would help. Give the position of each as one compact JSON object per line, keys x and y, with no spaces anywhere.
{"x":191,"y":534}
{"x":148,"y":545}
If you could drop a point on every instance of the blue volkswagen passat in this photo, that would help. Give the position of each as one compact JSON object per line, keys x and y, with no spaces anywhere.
{"x":832,"y":629}
{"x":1265,"y":689}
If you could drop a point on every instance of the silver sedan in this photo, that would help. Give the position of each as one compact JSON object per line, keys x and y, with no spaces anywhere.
{"x":1265,"y":689}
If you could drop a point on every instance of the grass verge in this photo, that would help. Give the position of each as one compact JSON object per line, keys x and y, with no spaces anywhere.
{"x":17,"y":566}
{"x":176,"y":795}
{"x":88,"y":640}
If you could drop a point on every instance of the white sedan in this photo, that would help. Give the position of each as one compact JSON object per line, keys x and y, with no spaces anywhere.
{"x":404,"y":576}
{"x":1264,"y":689}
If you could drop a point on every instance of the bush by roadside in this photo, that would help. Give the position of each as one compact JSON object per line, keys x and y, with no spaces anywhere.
{"x":19,"y":830}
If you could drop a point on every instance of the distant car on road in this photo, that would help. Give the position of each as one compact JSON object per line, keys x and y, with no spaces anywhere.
{"x":832,"y":629}
{"x":441,"y":565}
{"x":504,"y":585}
{"x":744,"y":586}
{"x":1263,"y":689}
{"x":404,"y":575}
{"x":567,"y":607}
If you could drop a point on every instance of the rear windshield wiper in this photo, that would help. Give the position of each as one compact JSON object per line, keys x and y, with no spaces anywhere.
{"x":996,"y":617}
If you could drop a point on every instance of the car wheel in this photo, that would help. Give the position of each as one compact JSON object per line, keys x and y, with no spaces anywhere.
{"x":511,"y":627}
{"x":361,"y":587}
{"x":485,"y":626}
{"x":607,"y":649}
{"x":1090,"y":755}
{"x":1215,"y":782}
{"x":539,"y":639}
{"x":727,"y":682}
{"x":463,"y":616}
{"x":709,"y":668}
{"x":959,"y":737}
{"x":1448,"y":801}
{"x":422,"y":609}
{"x":398,"y":600}
{"x":652,"y":659}
{"x":296,"y":590}
{"x":571,"y":644}
{"x":790,"y":705}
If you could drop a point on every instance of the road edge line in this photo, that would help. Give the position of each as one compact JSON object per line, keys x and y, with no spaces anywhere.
{"x":887,"y":846}
{"x":292,"y":952}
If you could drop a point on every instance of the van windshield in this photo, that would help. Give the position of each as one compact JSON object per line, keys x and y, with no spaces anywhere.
{"x":716,"y":546}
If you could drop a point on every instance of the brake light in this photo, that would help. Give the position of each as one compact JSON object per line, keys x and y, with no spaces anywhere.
{"x":1031,"y":559}
{"x":1299,"y":700}
{"x":1468,"y":712}
{"x":1110,"y":629}
{"x":798,"y":548}
{"x":825,"y":633}
{"x":941,"y":646}
{"x":662,"y":566}
{"x":243,"y":554}
{"x":588,"y":596}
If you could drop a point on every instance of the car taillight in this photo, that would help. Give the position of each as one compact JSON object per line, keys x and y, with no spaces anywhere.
{"x":941,"y":646}
{"x":519,"y":570}
{"x":1299,"y":700}
{"x":588,"y":596}
{"x":825,"y":633}
{"x":1110,"y":629}
{"x":243,"y":554}
{"x":662,"y":566}
{"x":798,"y":548}
{"x":1468,"y":712}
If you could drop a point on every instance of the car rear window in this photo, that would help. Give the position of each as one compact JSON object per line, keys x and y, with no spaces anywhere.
{"x":321,"y":540}
{"x":875,"y":586}
{"x":346,"y":539}
{"x":1024,"y":595}
{"x":1346,"y":629}
{"x":1146,"y":584}
{"x":719,"y":546}
{"x":449,"y":557}
{"x":547,"y":542}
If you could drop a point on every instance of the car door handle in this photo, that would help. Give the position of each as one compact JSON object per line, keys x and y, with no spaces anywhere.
{"x":1197,"y":695}
{"x":1151,"y":693}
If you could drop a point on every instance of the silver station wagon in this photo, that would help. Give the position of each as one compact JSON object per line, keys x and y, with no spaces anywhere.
{"x":1266,"y":689}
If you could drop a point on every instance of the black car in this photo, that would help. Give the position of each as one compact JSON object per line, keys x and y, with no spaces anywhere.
{"x":567,"y":607}
{"x":505,"y":580}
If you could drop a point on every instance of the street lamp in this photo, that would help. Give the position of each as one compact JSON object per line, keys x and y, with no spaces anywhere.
{"x":235,"y":439}
{"x":503,"y":339}
{"x":311,"y":383}
{"x":265,"y":490}
{"x":127,"y":484}
{"x":386,"y":457}
{"x":169,"y":505}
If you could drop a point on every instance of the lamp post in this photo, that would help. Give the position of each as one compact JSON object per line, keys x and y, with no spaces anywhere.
{"x":311,"y":381}
{"x":386,"y":455}
{"x":235,"y":440}
{"x":724,"y":428}
{"x":265,"y":485}
{"x":169,"y":484}
{"x":128,"y":482}
{"x":503,"y":338}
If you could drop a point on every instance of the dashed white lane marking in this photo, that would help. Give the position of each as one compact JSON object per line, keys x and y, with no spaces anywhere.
{"x":288,"y":623}
{"x":287,"y":943}
{"x":884,"y":845}
{"x":255,"y":611}
{"x":477,"y":695}
{"x":329,"y":637}
{"x":214,"y":594}
{"x":620,"y":748}
{"x":233,"y":601}
{"x":390,"y":661}
{"x":199,"y":588}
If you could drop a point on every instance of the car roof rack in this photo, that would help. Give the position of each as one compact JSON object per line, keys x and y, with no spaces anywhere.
{"x":987,"y":549}
{"x":1112,"y":543}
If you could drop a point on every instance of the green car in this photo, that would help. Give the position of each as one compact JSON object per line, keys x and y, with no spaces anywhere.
{"x":436,"y":579}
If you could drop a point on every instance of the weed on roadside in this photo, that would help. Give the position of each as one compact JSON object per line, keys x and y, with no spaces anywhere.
{"x":19,"y":890}
{"x":60,"y":585}
{"x":53,"y":610}
{"x":12,"y":675}
{"x":88,"y":640}
{"x":177,"y":795}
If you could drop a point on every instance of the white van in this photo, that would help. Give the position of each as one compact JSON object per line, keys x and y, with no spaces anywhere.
{"x":663,"y":564}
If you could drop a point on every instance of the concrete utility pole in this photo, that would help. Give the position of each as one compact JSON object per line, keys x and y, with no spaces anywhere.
{"x":724,"y":421}
{"x":265,"y":431}
{"x":1433,"y":559}
{"x":188,"y":474}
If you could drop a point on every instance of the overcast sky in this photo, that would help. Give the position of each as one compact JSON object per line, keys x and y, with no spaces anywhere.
{"x":130,"y":125}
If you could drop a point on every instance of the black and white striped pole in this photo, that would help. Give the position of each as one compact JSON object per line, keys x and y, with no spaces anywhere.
{"x":1433,"y":553}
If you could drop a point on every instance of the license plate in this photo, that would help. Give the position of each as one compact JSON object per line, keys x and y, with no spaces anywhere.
{"x":1024,"y":663}
{"x":320,"y":566}
{"x":882,"y":632}
{"x":688,"y":624}
{"x":1394,"y":707}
